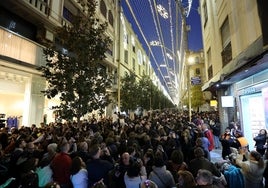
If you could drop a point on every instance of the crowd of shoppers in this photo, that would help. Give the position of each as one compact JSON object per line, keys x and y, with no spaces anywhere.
{"x":162,"y":149}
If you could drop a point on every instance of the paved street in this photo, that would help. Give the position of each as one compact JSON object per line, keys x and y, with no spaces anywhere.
{"x":215,"y":155}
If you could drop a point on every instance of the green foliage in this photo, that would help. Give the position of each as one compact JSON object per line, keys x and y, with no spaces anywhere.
{"x":145,"y":92}
{"x":142,"y":93}
{"x":197,"y":98}
{"x":73,"y":70}
{"x":129,"y":92}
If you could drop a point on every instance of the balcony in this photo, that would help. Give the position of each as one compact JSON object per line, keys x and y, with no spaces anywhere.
{"x":37,"y":12}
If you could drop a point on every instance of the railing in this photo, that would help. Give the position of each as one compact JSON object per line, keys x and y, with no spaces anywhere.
{"x":21,"y":49}
{"x":41,"y":5}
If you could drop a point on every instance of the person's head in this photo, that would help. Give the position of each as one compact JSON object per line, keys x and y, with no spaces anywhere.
{"x":20,"y":143}
{"x":263,"y":132}
{"x":177,"y":156}
{"x":94,"y":151}
{"x":148,"y":156}
{"x":158,"y":159}
{"x":256,"y":156}
{"x":186,"y":179}
{"x":77,"y":164}
{"x":134,"y":169}
{"x":30,"y":147}
{"x":126,"y":158}
{"x":199,"y":142}
{"x":204,"y":177}
{"x":83,"y":146}
{"x":65,"y":147}
{"x":52,"y":148}
{"x":199,"y":152}
{"x":204,"y":126}
{"x":227,"y":130}
{"x":148,"y":184}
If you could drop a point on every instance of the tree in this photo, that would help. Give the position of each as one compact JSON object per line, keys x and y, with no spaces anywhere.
{"x":197,"y":98}
{"x":145,"y":92}
{"x":129,"y":92}
{"x":73,"y":70}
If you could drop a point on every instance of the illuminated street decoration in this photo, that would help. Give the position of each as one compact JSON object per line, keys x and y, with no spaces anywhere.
{"x":155,"y":43}
{"x":160,"y":26}
{"x":169,"y":56}
{"x":162,"y":11}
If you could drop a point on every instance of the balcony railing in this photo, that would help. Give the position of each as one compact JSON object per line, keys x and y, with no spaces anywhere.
{"x":40,"y":5}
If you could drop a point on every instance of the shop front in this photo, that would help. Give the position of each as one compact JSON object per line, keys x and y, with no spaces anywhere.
{"x":252,"y":99}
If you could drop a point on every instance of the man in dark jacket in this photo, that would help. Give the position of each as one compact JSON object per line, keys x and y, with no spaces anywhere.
{"x":97,"y":168}
{"x":200,"y":162}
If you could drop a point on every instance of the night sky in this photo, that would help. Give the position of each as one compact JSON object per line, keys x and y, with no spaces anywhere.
{"x":159,"y":30}
{"x":195,"y":36}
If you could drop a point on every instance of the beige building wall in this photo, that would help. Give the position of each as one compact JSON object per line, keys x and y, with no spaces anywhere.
{"x":244,"y":30}
{"x":232,"y":37}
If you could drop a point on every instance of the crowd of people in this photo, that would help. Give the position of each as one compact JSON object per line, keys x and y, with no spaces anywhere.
{"x":162,"y":149}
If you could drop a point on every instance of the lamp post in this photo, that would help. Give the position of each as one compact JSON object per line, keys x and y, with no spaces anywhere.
{"x":190,"y":61}
{"x":189,"y":94}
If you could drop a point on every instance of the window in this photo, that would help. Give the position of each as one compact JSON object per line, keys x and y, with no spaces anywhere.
{"x":110,"y":50}
{"x":196,"y":60}
{"x":103,"y":8}
{"x":126,"y":56}
{"x":225,"y":33}
{"x":133,"y":49}
{"x":111,"y":18}
{"x":67,"y":14}
{"x":197,"y":71}
{"x":226,"y":53}
{"x":210,"y":72}
{"x":205,"y":11}
{"x":209,"y":57}
{"x":133,"y":64}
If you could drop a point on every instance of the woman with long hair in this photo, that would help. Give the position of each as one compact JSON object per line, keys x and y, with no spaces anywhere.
{"x":79,"y":175}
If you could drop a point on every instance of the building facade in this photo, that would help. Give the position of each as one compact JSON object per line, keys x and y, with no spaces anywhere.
{"x":26,"y":27}
{"x":235,"y":49}
{"x":192,"y":96}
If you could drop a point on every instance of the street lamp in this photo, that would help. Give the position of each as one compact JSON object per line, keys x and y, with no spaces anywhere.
{"x":190,"y":61}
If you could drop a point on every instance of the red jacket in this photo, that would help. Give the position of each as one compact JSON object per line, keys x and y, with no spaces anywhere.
{"x":60,"y":166}
{"x":209,"y":135}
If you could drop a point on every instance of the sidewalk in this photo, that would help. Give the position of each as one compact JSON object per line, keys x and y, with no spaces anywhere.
{"x":216,"y":155}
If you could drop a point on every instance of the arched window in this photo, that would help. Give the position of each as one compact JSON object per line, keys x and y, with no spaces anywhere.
{"x":111,"y":18}
{"x":103,"y":8}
